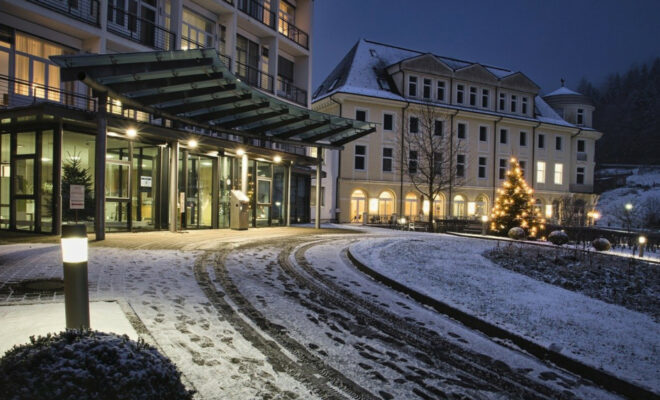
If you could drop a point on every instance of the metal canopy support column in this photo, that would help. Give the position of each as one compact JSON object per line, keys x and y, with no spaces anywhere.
{"x":215,"y":193}
{"x":174,"y":185}
{"x":288,"y":195}
{"x":319,"y":167}
{"x":99,"y":167}
{"x":57,"y":180}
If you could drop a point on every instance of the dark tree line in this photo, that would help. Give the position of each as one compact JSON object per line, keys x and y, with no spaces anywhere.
{"x":628,"y":114}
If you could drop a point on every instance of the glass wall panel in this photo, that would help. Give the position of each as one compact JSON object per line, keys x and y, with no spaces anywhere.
{"x":46,"y":184}
{"x":225,"y":190}
{"x":145,"y":185}
{"x":25,"y":214}
{"x":78,"y":169}
{"x":116,"y":180}
{"x":26,"y":143}
{"x":116,"y":215}
{"x":25,"y":176}
{"x":5,"y":177}
{"x":199,"y":193}
{"x":279,"y":185}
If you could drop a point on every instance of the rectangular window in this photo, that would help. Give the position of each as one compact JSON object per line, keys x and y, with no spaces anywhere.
{"x":504,"y":136}
{"x":559,"y":173}
{"x":482,"y":167}
{"x":460,"y":92}
{"x":502,"y":169}
{"x":580,"y":176}
{"x":412,"y":86}
{"x":360,"y":157}
{"x":427,"y":88}
{"x":388,"y":122}
{"x":581,"y":146}
{"x":524,"y":105}
{"x":460,"y":165}
{"x":558,"y":143}
{"x":580,"y":116}
{"x":461,"y":132}
{"x":473,"y":96}
{"x":485,"y":96}
{"x":514,"y":103}
{"x":440,"y":90}
{"x":412,"y":162}
{"x":523,"y":139}
{"x":360,"y":115}
{"x":438,"y":127}
{"x":502,"y":104}
{"x":387,"y":159}
{"x":523,"y":166}
{"x":541,"y":141}
{"x":483,"y":133}
{"x":414,"y":125}
{"x":196,"y":31}
{"x":540,"y":172}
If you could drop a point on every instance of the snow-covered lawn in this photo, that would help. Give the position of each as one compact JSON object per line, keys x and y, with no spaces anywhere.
{"x":641,"y":187}
{"x":453,"y":270}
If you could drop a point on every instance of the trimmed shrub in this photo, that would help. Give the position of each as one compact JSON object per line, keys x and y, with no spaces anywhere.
{"x":558,"y":238}
{"x":516,"y":233}
{"x":89,"y":365}
{"x":601,"y":244}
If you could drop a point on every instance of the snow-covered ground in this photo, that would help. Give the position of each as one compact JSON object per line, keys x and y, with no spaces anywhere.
{"x":453,"y":270}
{"x":641,"y":187}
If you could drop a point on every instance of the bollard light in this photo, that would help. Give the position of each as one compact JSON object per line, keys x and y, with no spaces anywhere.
{"x":484,"y":224}
{"x":74,"y":262}
{"x":642,"y":243}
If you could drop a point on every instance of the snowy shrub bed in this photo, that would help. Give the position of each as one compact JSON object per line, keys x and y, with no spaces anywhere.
{"x":623,"y":281}
{"x":88,"y":365}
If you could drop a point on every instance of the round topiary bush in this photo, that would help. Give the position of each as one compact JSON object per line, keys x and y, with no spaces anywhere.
{"x":601,"y":244}
{"x":558,"y":238}
{"x":89,"y":365}
{"x":516,"y":233}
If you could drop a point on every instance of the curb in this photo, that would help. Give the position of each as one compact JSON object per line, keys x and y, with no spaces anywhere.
{"x":602,"y":378}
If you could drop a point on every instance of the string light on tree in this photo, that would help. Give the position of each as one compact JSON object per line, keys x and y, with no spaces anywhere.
{"x":514,"y":205}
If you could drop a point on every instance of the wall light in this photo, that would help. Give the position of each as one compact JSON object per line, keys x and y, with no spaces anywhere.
{"x":277,"y":159}
{"x":192,"y":143}
{"x":131,"y":132}
{"x":240,"y":152}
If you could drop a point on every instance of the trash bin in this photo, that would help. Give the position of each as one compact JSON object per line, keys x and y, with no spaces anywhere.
{"x":239,"y":217}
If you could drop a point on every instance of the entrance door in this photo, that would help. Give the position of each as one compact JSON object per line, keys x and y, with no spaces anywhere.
{"x":199,"y":191}
{"x":358,"y":205}
{"x":117,"y":195}
{"x":24,"y":181}
{"x":144,"y":190}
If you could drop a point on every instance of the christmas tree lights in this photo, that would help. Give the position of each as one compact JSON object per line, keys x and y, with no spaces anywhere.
{"x":514,"y":205}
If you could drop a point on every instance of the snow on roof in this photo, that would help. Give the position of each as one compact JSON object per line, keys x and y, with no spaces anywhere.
{"x":563,"y":90}
{"x":545,"y":113}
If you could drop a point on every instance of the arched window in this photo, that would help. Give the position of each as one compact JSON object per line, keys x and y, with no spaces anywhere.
{"x":439,"y":206}
{"x":481,"y":206}
{"x":385,"y":205}
{"x":358,"y":205}
{"x":410,"y":209}
{"x":459,"y":206}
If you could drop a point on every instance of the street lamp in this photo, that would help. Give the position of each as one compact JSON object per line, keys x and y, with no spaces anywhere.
{"x":642,"y":242}
{"x":484,"y":224}
{"x":629,"y":208}
{"x":74,"y":261}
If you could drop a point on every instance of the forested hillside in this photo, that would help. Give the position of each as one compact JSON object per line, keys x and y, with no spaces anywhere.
{"x":628,"y":113}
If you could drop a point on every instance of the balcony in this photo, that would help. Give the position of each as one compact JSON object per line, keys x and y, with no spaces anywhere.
{"x":19,"y":93}
{"x":577,"y":188}
{"x":287,"y":90}
{"x":254,"y":77}
{"x":257,"y":11}
{"x":82,"y":10}
{"x":294,"y":33}
{"x":140,"y":30}
{"x":581,"y":156}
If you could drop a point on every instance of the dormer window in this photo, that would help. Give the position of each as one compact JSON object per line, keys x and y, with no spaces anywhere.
{"x":502,"y":104}
{"x":473,"y":96}
{"x":580,"y":116}
{"x":460,"y":93}
{"x":514,"y":103}
{"x":524,"y":105}
{"x":412,"y":86}
{"x":440,"y":90}
{"x":485,"y":95}
{"x":427,"y":89}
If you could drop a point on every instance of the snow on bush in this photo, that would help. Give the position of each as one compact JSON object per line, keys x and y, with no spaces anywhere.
{"x":558,"y":238}
{"x":601,"y":244}
{"x":88,"y":365}
{"x":516,"y":233}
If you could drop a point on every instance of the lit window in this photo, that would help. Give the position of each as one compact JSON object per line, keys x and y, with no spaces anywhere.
{"x":559,"y":172}
{"x":540,"y":172}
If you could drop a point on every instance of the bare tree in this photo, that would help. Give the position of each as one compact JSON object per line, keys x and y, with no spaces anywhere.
{"x":571,"y":211}
{"x":430,"y":149}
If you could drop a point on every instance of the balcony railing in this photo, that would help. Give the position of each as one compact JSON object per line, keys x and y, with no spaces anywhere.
{"x":140,"y":30}
{"x":83,"y":10}
{"x":257,"y":11}
{"x":581,"y":156}
{"x":286,"y":89}
{"x":294,"y":33}
{"x":19,"y":93}
{"x":254,"y":77}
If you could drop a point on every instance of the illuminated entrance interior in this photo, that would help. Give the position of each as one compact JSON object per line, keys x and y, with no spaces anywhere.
{"x":410,"y":206}
{"x":358,"y":205}
{"x":385,"y":205}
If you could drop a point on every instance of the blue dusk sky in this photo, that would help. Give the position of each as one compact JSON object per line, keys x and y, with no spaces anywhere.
{"x":545,"y":39}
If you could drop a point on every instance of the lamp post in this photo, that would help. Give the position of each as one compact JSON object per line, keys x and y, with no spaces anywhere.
{"x":642,"y":243}
{"x":484,"y":224}
{"x":74,"y":260}
{"x":629,"y":208}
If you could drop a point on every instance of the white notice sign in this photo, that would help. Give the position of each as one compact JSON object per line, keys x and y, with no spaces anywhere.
{"x":77,"y":197}
{"x":145,"y":181}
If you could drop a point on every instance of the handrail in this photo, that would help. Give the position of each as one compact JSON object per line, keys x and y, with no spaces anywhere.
{"x":139,"y":30}
{"x":257,"y":11}
{"x":294,"y":33}
{"x":18,"y":92}
{"x":254,"y":77}
{"x":286,"y":89}
{"x":83,"y":10}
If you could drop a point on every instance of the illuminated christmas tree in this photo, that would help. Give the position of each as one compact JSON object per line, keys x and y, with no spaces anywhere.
{"x":514,"y":205}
